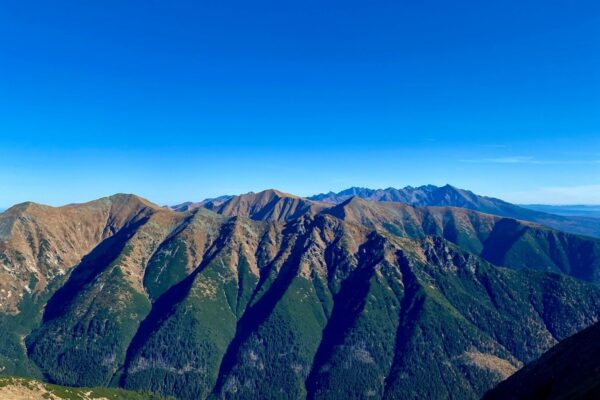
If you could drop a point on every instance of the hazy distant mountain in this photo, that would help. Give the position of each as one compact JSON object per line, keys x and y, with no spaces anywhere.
{"x":274,"y":296}
{"x":448,"y":195}
{"x":569,"y":370}
{"x":573,"y":210}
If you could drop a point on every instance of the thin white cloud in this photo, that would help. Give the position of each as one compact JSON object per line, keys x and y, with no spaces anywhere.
{"x":503,"y":160}
{"x":527,"y":160}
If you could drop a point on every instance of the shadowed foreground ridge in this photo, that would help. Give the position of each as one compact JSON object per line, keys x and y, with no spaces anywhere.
{"x":269,"y":295}
{"x":569,"y":370}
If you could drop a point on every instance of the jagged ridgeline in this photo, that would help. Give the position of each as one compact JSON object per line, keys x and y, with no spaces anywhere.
{"x":273,"y":296}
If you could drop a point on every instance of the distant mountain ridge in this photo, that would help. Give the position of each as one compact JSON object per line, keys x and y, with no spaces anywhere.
{"x":430,"y":195}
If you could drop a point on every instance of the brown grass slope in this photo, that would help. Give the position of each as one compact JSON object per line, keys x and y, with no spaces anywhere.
{"x":39,"y":244}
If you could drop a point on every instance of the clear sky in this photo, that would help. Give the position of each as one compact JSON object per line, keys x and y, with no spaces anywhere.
{"x":182,"y":100}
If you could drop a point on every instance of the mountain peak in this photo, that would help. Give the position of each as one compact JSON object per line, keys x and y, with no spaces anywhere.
{"x":270,"y":204}
{"x":23,"y":207}
{"x":448,"y":186}
{"x":124,"y":198}
{"x":275,"y":193}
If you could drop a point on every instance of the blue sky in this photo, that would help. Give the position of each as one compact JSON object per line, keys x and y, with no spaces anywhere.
{"x":182,"y":100}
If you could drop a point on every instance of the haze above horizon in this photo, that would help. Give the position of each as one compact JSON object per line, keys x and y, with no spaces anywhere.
{"x":181,"y":102}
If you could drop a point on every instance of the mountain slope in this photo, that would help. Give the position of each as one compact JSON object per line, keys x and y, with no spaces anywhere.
{"x":266,"y":205}
{"x":359,"y":300}
{"x":40,"y":246}
{"x":569,"y":370}
{"x":448,"y":195}
{"x":104,"y":297}
{"x":502,"y":241}
{"x":39,"y":243}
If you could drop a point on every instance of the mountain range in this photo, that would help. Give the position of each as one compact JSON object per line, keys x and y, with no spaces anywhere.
{"x":430,"y":195}
{"x":270,"y":295}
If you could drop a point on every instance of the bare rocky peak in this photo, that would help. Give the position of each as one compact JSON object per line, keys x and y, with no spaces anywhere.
{"x":44,"y":242}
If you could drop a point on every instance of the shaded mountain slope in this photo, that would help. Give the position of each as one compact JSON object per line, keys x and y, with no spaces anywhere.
{"x":448,"y":195}
{"x":569,"y":370}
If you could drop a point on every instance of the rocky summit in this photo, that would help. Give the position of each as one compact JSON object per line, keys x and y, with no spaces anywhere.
{"x":274,"y":296}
